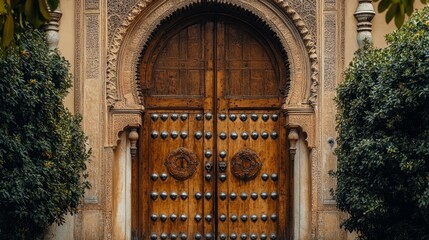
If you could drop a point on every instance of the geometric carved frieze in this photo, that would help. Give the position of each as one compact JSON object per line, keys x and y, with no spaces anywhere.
{"x":277,"y":14}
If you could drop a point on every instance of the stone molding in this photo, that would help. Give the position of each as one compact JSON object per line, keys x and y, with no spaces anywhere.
{"x":122,"y":90}
{"x":119,"y":121}
{"x":302,"y":118}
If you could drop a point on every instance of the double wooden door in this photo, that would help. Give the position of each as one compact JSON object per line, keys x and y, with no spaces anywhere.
{"x":213,"y":159}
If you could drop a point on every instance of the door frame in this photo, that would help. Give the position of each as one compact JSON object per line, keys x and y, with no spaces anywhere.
{"x":125,"y":106}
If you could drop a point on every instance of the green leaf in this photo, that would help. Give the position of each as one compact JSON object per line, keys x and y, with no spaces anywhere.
{"x":43,"y":7}
{"x":391,"y":12}
{"x":2,"y":7}
{"x":399,"y":20}
{"x":53,"y":4}
{"x":29,"y":9}
{"x":8,"y":30}
{"x":383,"y":5}
{"x":423,"y":1}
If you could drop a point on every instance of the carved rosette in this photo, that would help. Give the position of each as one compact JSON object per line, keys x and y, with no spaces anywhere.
{"x":245,"y":164}
{"x":181,"y":163}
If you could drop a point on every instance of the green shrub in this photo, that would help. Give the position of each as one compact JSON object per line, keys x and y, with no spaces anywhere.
{"x":383,"y":143}
{"x":42,"y":147}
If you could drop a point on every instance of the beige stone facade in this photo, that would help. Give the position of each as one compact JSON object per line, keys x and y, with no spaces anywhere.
{"x":103,"y":41}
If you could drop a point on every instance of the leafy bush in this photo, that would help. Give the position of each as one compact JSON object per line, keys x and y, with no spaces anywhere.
{"x":42,"y":147}
{"x":383,"y":126}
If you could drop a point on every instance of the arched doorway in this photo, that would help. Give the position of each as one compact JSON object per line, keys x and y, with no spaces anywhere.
{"x":214,"y":162}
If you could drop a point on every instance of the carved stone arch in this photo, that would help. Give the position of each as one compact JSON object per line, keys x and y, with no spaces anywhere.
{"x":122,"y":90}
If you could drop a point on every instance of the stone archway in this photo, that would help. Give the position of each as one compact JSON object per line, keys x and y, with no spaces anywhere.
{"x":126,"y":106}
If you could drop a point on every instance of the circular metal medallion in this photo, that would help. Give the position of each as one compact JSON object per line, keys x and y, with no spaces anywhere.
{"x":181,"y":163}
{"x":245,"y":164}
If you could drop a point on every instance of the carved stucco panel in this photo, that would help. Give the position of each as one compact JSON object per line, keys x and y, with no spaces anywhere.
{"x":119,"y":122}
{"x":303,"y":118}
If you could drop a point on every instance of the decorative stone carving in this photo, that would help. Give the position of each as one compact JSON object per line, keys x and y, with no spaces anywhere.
{"x":245,"y":164}
{"x":163,"y":9}
{"x":52,"y":28}
{"x":133,"y":136}
{"x":304,"y":119}
{"x":364,"y":14}
{"x":181,"y":163}
{"x":119,"y":121}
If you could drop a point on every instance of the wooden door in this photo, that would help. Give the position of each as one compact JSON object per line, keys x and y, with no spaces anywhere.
{"x":213,"y":163}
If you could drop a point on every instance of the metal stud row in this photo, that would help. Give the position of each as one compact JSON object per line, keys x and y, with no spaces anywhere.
{"x":164,"y":116}
{"x":253,"y":195}
{"x":209,"y":236}
{"x":244,"y":236}
{"x":245,"y":135}
{"x":163,"y":176}
{"x":173,"y":217}
{"x":243,"y":117}
{"x":164,"y":195}
{"x":274,"y":177}
{"x":253,"y":217}
{"x":164,"y":134}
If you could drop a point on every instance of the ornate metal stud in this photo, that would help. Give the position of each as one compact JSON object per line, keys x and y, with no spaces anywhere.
{"x":164,"y":195}
{"x":263,"y":236}
{"x":274,"y":117}
{"x":243,"y":236}
{"x":208,"y":177}
{"x":154,"y":134}
{"x":184,"y":134}
{"x":273,"y":236}
{"x":209,"y":116}
{"x":209,"y":236}
{"x":274,"y":177}
{"x":153,"y":236}
{"x":233,"y":195}
{"x":264,"y":176}
{"x":198,"y":217}
{"x":208,"y":195}
{"x":184,"y":195}
{"x":254,"y":195}
{"x":173,"y":236}
{"x":254,"y":217}
{"x":244,"y":135}
{"x":243,"y":196}
{"x":164,"y":176}
{"x":154,"y":117}
{"x":164,"y":117}
{"x":222,"y":196}
{"x":164,"y":135}
{"x":163,"y":217}
{"x":264,"y":135}
{"x":234,"y":135}
{"x":183,"y":217}
{"x":254,"y":117}
{"x":222,"y":154}
{"x":209,"y":135}
{"x":243,"y":117}
{"x":163,"y":236}
{"x":234,"y":218}
{"x":253,"y":236}
{"x":184,"y":116}
{"x":232,"y":117}
{"x":198,"y":236}
{"x":222,"y":236}
{"x":198,"y":195}
{"x":273,"y":217}
{"x":222,"y":177}
{"x":174,"y":134}
{"x":154,"y":195}
{"x":154,"y":176}
{"x":198,"y":117}
{"x":173,"y":195}
{"x":208,"y":217}
{"x":244,"y":217}
{"x":233,"y":236}
{"x":222,"y":116}
{"x":254,"y":135}
{"x":174,"y":116}
{"x":222,"y":135}
{"x":208,"y":154}
{"x":209,"y":164}
{"x":264,"y":217}
{"x":183,"y":236}
{"x":222,"y":217}
{"x":173,"y":217}
{"x":274,"y":135}
{"x":265,"y":117}
{"x":198,"y":135}
{"x":154,"y":217}
{"x":274,"y":195}
{"x":264,"y":195}
{"x":222,"y":166}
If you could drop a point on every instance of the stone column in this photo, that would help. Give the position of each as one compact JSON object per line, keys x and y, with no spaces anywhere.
{"x":364,"y":14}
{"x":52,"y":28}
